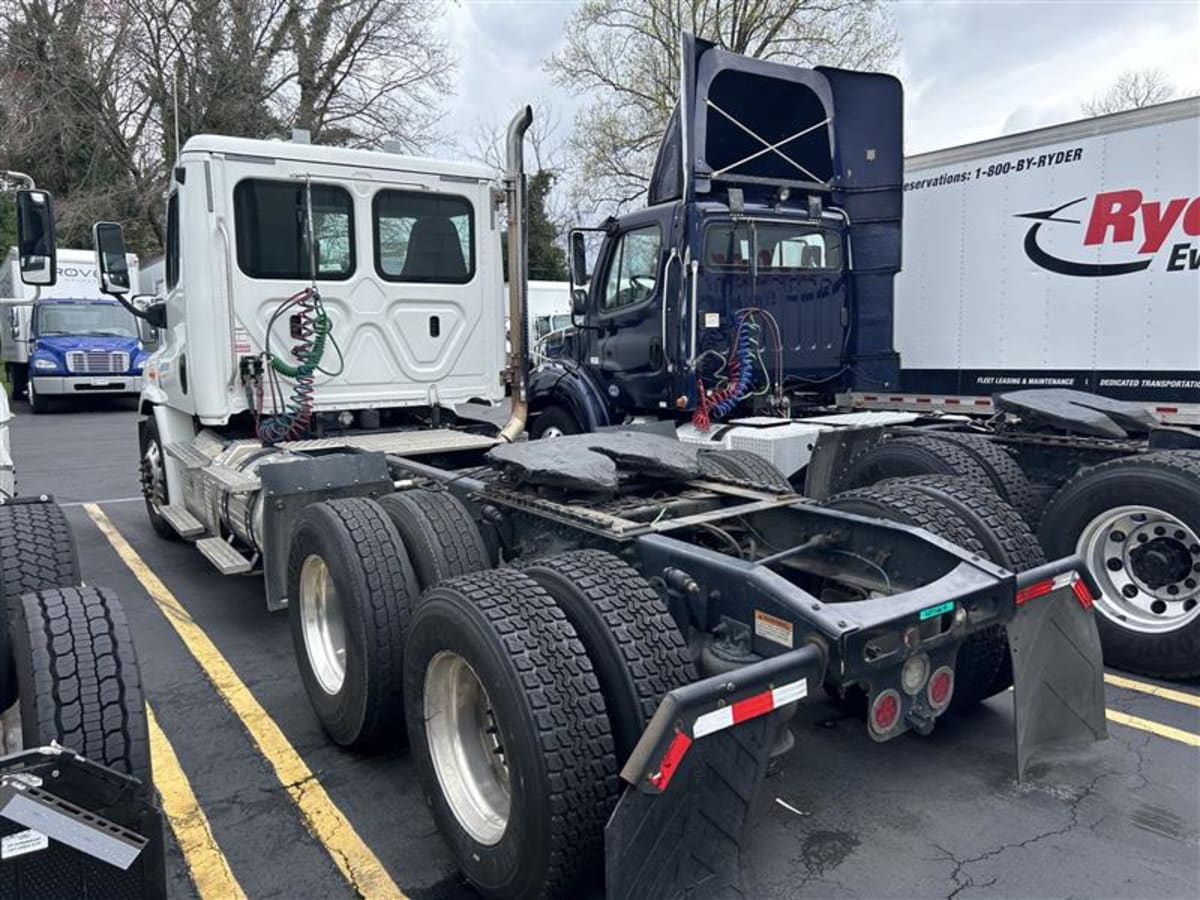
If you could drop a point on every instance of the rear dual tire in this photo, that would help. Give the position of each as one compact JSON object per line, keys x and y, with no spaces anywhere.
{"x":946,"y":453}
{"x":977,"y":520}
{"x":351,"y":589}
{"x":520,"y":788}
{"x":572,"y":655}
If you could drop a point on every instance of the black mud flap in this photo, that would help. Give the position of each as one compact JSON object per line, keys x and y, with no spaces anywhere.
{"x":687,"y":841}
{"x":678,"y":829}
{"x":1058,"y":672}
{"x":72,"y":828}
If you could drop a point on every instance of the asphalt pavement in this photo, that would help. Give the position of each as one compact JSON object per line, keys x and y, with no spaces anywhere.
{"x":941,"y":816}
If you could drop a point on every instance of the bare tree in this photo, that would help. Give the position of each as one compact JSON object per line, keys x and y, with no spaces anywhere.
{"x":1132,"y":90}
{"x":549,"y":215}
{"x":88,"y":88}
{"x":625,"y":55}
{"x":366,"y":70}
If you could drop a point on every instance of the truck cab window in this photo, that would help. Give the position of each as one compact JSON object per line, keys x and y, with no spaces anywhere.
{"x":777,"y":247}
{"x":172,"y":241}
{"x":422,"y":237}
{"x":633,"y":268}
{"x":272,"y":236}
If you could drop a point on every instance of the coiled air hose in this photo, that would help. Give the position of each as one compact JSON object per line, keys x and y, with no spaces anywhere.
{"x":313,"y":330}
{"x":720,"y":403}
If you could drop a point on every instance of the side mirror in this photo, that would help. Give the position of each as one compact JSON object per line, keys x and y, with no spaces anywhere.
{"x":35,"y":238}
{"x":111,"y":261}
{"x":156,"y":316}
{"x":579,"y":299}
{"x":579,"y":269}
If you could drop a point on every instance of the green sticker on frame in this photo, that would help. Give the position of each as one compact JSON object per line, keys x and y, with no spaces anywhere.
{"x":946,"y":607}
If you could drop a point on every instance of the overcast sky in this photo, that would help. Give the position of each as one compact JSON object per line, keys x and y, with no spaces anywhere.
{"x":972,"y":69}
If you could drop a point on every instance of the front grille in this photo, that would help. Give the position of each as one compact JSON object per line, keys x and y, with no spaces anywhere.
{"x":97,"y":362}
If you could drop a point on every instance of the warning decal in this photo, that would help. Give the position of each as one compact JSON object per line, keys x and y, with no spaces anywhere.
{"x":772,"y":628}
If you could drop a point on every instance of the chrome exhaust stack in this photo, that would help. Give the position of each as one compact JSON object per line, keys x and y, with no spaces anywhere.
{"x":518,"y":274}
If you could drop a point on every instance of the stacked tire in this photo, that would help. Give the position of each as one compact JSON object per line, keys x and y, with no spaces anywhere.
{"x":67,"y":654}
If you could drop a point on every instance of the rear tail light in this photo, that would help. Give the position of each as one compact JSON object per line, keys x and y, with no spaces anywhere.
{"x":885,"y":711}
{"x":941,"y":688}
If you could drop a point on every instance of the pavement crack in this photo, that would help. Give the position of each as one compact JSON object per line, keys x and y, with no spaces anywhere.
{"x":957,"y":875}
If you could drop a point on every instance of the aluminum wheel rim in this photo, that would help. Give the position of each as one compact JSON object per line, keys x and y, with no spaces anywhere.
{"x":1148,"y":565}
{"x":154,"y":480}
{"x":322,"y":624}
{"x":464,"y":746}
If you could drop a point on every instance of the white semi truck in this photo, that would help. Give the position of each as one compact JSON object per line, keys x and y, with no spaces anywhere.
{"x":589,"y":643}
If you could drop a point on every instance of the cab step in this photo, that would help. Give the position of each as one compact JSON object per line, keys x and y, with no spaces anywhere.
{"x":226,"y":559}
{"x":179,"y":518}
{"x":232,"y":480}
{"x":188,"y":455}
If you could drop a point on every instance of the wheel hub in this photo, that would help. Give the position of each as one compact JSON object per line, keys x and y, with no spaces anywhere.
{"x":153,"y":478}
{"x":322,"y":624}
{"x":1161,"y":562}
{"x":465,"y":747}
{"x":1148,"y":564}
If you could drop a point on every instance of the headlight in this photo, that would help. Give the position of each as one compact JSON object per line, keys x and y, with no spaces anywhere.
{"x":43,"y":363}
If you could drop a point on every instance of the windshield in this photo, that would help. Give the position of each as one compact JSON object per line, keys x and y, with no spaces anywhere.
{"x":85,"y":319}
{"x":777,"y":246}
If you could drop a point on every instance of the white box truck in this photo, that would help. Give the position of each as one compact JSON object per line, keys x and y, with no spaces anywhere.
{"x":76,"y":339}
{"x":1063,"y":257}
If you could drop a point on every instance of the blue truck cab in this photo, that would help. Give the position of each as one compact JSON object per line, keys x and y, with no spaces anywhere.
{"x":759,"y":275}
{"x":82,"y":346}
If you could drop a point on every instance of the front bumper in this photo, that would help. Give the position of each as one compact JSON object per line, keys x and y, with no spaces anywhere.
{"x":49,"y":385}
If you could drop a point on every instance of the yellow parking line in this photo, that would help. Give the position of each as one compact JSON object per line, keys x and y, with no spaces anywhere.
{"x":207,"y":864}
{"x":1166,"y":731}
{"x":358,"y":864}
{"x":1155,"y":690}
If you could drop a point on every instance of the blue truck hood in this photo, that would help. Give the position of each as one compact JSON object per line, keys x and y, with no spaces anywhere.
{"x":64,"y":343}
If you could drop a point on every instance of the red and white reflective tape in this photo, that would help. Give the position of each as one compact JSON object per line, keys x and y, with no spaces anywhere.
{"x":1072,"y":579}
{"x":725,"y":717}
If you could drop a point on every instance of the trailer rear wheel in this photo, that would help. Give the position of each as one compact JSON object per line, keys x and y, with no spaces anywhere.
{"x":351,"y":589}
{"x":78,"y":677}
{"x":631,"y":639}
{"x":509,"y":734}
{"x":1006,"y":475}
{"x":981,"y":658}
{"x":743,"y":465}
{"x":1135,"y":522}
{"x":442,"y":538}
{"x":37,"y":551}
{"x":552,"y":422}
